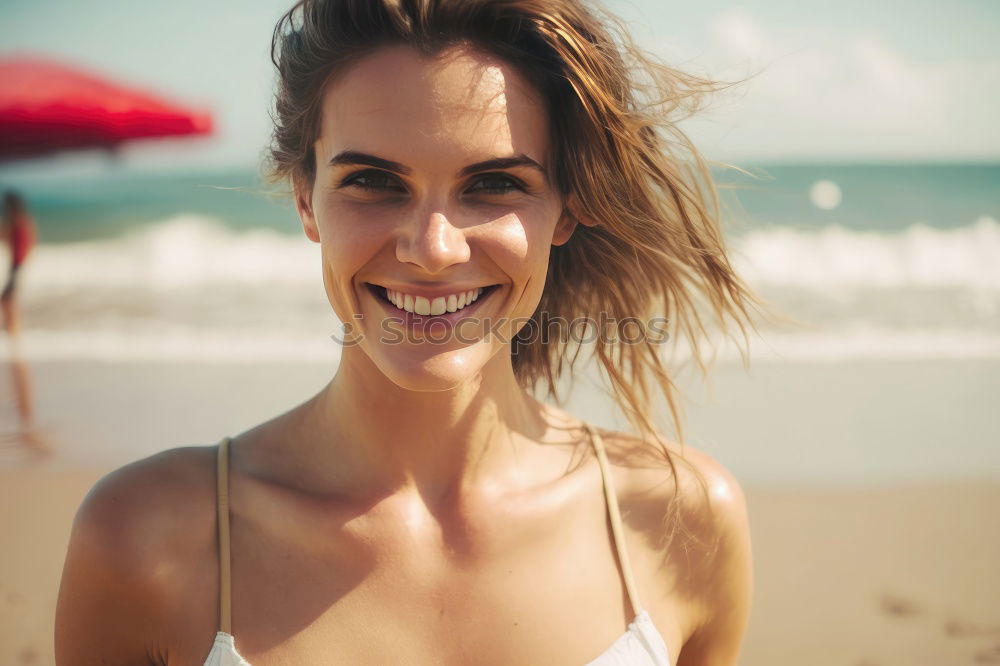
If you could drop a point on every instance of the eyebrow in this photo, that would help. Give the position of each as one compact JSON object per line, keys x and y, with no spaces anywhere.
{"x":520,"y":160}
{"x":355,"y":157}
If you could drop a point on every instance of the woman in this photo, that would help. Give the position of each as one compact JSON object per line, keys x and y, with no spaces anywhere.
{"x":471,"y":171}
{"x":19,"y":232}
{"x":17,"y":229}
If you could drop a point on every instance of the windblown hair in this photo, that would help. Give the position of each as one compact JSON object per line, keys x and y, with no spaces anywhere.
{"x":616,"y":152}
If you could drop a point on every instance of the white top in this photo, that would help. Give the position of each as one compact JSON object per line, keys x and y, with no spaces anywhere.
{"x":640,"y":645}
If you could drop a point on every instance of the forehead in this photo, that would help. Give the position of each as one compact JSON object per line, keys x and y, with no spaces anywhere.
{"x":461,"y":102}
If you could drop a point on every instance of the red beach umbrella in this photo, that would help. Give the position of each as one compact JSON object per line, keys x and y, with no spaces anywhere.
{"x":47,"y":107}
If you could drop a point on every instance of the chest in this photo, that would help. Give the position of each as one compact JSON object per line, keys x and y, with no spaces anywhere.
{"x":516,"y":589}
{"x":519,"y":627}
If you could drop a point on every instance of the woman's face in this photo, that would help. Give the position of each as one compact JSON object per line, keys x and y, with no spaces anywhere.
{"x":432,"y":182}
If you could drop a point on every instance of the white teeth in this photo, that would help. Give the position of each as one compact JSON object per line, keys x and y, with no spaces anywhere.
{"x":424,"y":306}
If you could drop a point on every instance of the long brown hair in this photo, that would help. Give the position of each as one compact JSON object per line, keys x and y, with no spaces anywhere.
{"x":656,"y":248}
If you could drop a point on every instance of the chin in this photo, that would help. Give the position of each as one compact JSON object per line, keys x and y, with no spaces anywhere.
{"x":413,"y":369}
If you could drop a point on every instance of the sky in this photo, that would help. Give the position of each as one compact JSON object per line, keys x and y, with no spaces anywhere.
{"x":851,"y":81}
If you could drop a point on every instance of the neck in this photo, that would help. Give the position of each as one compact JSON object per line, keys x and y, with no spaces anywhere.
{"x":384,"y":439}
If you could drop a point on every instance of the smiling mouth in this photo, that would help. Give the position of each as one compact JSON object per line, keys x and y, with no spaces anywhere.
{"x":446,"y":307}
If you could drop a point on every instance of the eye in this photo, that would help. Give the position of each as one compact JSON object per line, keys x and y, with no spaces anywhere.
{"x":496,"y":183}
{"x":372,"y":180}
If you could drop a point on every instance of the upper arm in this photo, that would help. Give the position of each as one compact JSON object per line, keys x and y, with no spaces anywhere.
{"x":108,"y":610}
{"x":728,"y":589}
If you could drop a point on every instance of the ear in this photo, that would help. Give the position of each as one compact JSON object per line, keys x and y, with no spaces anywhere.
{"x":304,"y":207}
{"x":571,"y":216}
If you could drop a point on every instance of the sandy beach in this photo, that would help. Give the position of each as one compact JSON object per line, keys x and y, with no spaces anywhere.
{"x":858,"y":575}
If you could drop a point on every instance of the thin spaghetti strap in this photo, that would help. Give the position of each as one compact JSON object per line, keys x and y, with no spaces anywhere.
{"x":616,"y":521}
{"x":222,"y":495}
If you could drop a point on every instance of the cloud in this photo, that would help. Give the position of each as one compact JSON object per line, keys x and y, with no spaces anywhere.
{"x":814,"y":92}
{"x":738,"y":33}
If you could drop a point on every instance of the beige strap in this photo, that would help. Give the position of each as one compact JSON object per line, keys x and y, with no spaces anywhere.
{"x":616,"y":520}
{"x":222,"y":486}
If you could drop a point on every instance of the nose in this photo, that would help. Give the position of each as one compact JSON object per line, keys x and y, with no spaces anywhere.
{"x":432,"y":242}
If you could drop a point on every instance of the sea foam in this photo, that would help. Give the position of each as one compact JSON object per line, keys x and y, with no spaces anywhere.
{"x":191,"y":287}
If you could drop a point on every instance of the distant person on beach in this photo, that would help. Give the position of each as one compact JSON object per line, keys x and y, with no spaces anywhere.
{"x":18,"y":231}
{"x":495,"y":186}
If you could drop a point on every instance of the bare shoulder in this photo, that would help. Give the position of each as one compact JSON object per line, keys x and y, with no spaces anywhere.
{"x":130,"y":533}
{"x":711,"y":495}
{"x":692,"y":512}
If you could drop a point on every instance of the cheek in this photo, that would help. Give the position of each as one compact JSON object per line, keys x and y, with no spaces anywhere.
{"x":521,"y":244}
{"x":349,"y":237}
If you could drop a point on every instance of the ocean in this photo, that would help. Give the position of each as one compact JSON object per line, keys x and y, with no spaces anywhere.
{"x":155,"y":281}
{"x":214,"y":265}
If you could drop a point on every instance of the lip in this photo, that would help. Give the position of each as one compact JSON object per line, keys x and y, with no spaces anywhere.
{"x":413,"y":319}
{"x":430,"y":294}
